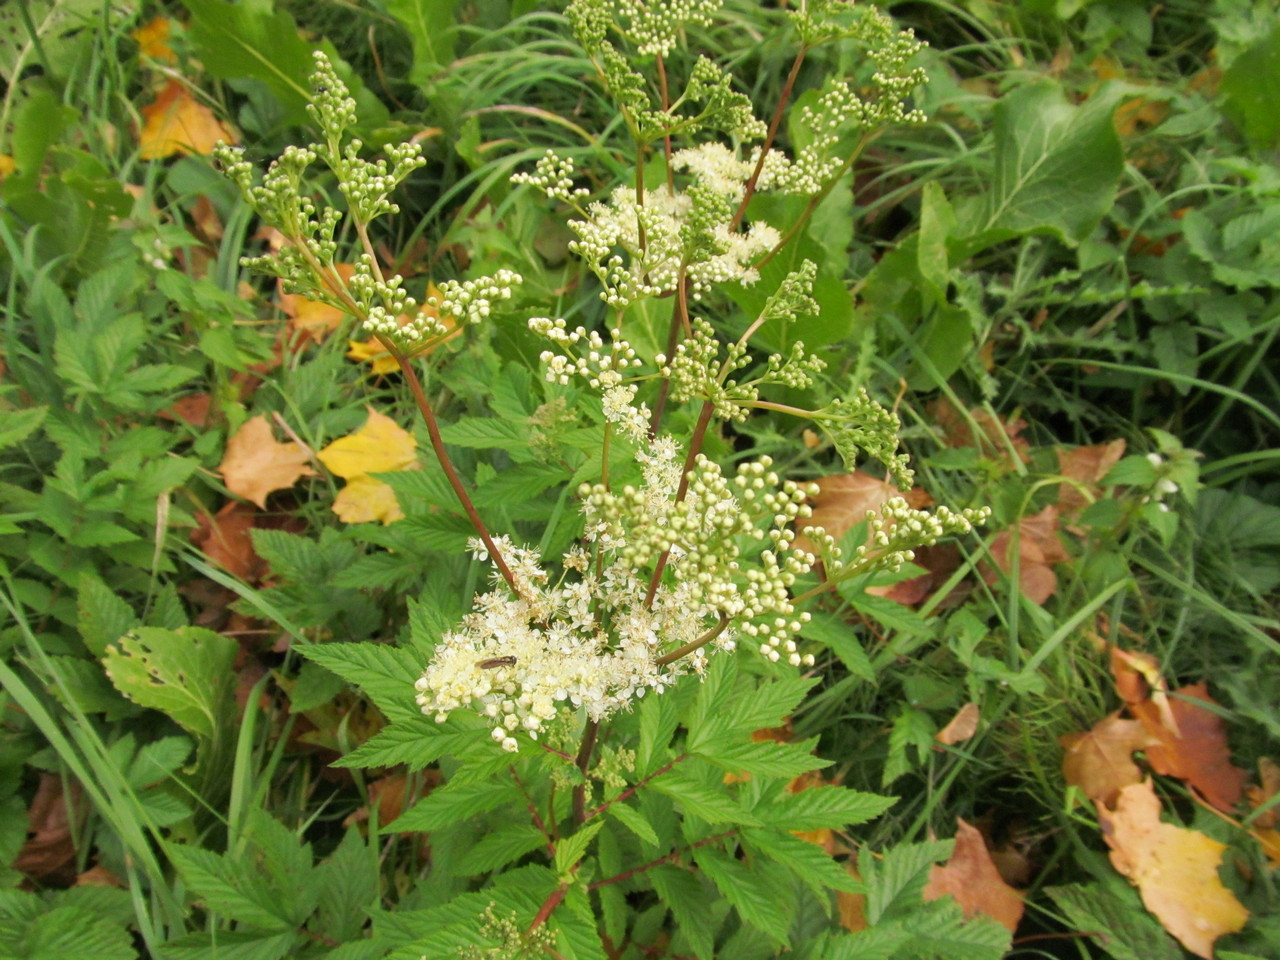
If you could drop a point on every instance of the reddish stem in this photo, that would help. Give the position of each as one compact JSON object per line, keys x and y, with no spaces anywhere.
{"x":695,"y":447}
{"x":451,"y":474}
{"x":672,"y":857}
{"x":631,"y":791}
{"x":583,"y":761}
{"x":770,"y":136}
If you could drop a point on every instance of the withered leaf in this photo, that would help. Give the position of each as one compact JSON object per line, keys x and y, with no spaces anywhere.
{"x":1100,"y":761}
{"x":972,"y":878}
{"x":1175,"y":870}
{"x":256,"y":463}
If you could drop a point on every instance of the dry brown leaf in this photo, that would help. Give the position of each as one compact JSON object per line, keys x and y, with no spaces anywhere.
{"x":1264,"y":825}
{"x":178,"y":123}
{"x":255,"y":463}
{"x":993,"y":437}
{"x":1100,"y":762}
{"x":225,"y":540}
{"x":1038,"y":548}
{"x":1086,"y":466}
{"x":972,"y":878}
{"x":192,"y":409}
{"x":852,"y":906}
{"x":99,"y":876}
{"x":1174,"y":869}
{"x":939,"y":561}
{"x":1138,"y":679}
{"x":961,"y":727}
{"x":1197,"y":752}
{"x":843,"y":501}
{"x":49,"y":853}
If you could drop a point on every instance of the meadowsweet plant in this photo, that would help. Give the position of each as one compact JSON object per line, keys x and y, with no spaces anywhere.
{"x":595,"y":708}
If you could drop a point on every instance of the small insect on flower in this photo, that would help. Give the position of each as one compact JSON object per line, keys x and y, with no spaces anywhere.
{"x":495,"y":662}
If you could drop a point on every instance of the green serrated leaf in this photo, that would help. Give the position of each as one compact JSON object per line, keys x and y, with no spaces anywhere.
{"x":764,"y":759}
{"x":819,"y":807}
{"x":895,"y":881}
{"x":386,"y":673}
{"x":185,"y":673}
{"x":689,"y":903}
{"x":699,"y":800}
{"x":572,"y":849}
{"x":20,"y":424}
{"x":812,"y":865}
{"x":634,"y":821}
{"x":755,"y":892}
{"x":500,"y":847}
{"x":230,"y":887}
{"x":454,"y":803}
{"x":104,"y":616}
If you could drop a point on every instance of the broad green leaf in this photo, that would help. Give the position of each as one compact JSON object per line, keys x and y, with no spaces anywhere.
{"x":240,"y":40}
{"x":940,"y":931}
{"x":833,"y":807}
{"x":634,"y":821}
{"x":1251,"y":86}
{"x":104,"y":617}
{"x":483,"y":433}
{"x":500,"y":847}
{"x":576,"y":927}
{"x":690,"y":904}
{"x":453,"y":803}
{"x":1056,"y":167}
{"x":230,"y":945}
{"x":755,"y":892}
{"x":659,"y":718}
{"x":700,"y":800}
{"x":1114,"y":914}
{"x":185,"y":673}
{"x":347,"y":886}
{"x":74,"y":933}
{"x":229,"y":886}
{"x":431,"y":28}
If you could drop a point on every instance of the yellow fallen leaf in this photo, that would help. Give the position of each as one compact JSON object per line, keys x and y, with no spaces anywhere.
{"x":380,"y":446}
{"x":177,"y":123}
{"x":7,"y":166}
{"x":153,"y":41}
{"x":365,"y":499}
{"x":1174,"y":869}
{"x":256,"y":463}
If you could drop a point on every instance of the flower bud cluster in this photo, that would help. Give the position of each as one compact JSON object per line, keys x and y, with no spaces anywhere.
{"x":653,"y":26}
{"x":696,"y":372}
{"x":895,"y":532}
{"x":472,"y":300}
{"x":553,"y":175}
{"x":728,"y":544}
{"x":603,"y":369}
{"x":599,"y":638}
{"x":862,"y":424}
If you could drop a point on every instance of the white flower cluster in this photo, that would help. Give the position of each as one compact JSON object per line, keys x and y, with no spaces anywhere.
{"x":655,"y":235}
{"x":603,"y":370}
{"x":606,"y":638}
{"x":553,"y":175}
